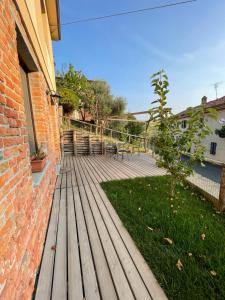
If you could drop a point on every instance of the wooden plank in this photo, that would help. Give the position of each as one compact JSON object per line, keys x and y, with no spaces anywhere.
{"x":77,"y":174}
{"x":103,"y":274}
{"x":63,"y":170}
{"x":91,"y":166}
{"x":102,"y":260}
{"x":101,"y":174}
{"x":108,"y":167}
{"x":119,"y":278}
{"x":149,"y":279}
{"x":68,"y":171}
{"x":58,"y":181}
{"x":59,"y":287}
{"x":133,"y":168}
{"x":139,"y":289}
{"x":79,"y":168}
{"x":117,"y":165}
{"x":110,"y":164}
{"x":73,"y":175}
{"x":44,"y":286}
{"x":91,"y":290}
{"x":99,"y":168}
{"x":94,"y":177}
{"x":75,"y":289}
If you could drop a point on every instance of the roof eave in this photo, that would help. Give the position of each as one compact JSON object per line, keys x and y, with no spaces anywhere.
{"x":53,"y":11}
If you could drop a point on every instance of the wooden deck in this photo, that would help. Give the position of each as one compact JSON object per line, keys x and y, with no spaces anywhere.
{"x":88,"y":253}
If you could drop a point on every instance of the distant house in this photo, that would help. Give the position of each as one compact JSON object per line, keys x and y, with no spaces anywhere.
{"x":215,"y":145}
{"x":28,"y":120}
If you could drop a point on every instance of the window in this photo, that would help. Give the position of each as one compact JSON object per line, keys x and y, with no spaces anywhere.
{"x":213,"y":148}
{"x":27,"y":64}
{"x":28,"y":110}
{"x":184,"y":124}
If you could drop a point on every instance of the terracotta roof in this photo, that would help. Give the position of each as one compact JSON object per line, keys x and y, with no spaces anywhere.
{"x":218,"y":104}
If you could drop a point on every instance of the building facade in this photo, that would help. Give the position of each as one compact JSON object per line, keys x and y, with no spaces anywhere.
{"x":28,"y":120}
{"x":214,"y":145}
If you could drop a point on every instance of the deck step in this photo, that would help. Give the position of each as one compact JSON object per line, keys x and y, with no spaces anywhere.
{"x":79,"y":143}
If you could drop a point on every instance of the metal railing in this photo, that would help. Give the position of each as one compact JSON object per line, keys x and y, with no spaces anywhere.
{"x":109,"y":134}
{"x":210,"y":179}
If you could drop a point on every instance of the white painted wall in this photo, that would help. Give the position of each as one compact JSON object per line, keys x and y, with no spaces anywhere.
{"x":220,"y":150}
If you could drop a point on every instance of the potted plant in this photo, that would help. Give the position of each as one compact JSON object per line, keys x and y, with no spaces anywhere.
{"x":38,"y":161}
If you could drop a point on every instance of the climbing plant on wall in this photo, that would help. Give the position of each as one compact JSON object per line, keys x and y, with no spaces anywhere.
{"x":220,"y":132}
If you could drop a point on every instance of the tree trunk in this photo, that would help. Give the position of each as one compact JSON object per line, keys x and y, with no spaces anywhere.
{"x":221,"y":203}
{"x":172,"y":186}
{"x":82,"y":115}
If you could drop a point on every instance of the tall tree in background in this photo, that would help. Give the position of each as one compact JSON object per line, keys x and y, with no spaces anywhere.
{"x":104,"y":104}
{"x":87,"y":96}
{"x":135,"y":128}
{"x":118,"y":106}
{"x":76,"y":91}
{"x":101,"y":107}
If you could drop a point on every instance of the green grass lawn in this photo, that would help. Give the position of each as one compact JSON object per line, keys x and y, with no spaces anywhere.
{"x":197,"y":232}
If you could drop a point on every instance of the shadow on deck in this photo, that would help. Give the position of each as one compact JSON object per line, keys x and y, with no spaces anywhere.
{"x":88,"y":253}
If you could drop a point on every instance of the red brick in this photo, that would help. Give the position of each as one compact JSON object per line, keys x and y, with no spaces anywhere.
{"x":24,"y":211}
{"x":2,"y":99}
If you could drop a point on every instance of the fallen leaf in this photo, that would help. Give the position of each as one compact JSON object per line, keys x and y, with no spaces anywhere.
{"x":203,"y":236}
{"x":168,"y":240}
{"x":179,"y":265}
{"x":150,"y":228}
{"x":213,"y":273}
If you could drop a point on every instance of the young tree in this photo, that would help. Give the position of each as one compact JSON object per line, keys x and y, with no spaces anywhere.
{"x":170,"y":141}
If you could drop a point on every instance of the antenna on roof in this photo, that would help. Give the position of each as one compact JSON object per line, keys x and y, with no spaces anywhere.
{"x":216,"y":85}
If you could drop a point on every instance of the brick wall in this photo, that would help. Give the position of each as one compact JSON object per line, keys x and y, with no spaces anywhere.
{"x":24,"y":209}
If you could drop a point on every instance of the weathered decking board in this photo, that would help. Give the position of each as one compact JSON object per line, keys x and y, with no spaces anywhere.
{"x":88,"y":253}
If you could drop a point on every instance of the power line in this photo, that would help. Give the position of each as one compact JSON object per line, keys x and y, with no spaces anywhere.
{"x":128,"y":12}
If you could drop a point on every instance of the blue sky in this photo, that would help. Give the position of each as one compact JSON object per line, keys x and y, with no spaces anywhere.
{"x":187,"y":41}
